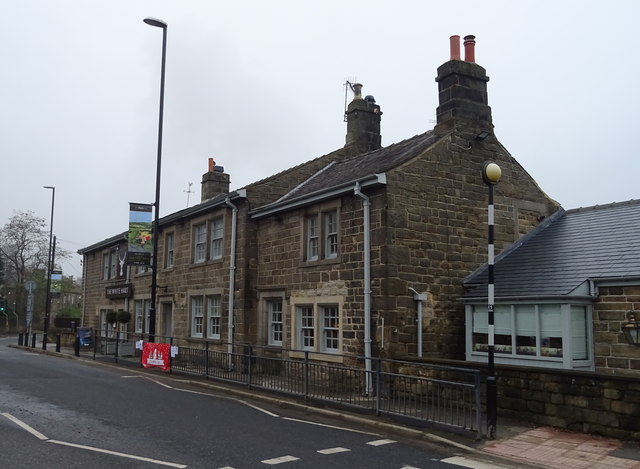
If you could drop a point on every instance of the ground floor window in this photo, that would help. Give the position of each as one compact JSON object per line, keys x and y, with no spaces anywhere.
{"x":205,"y":316}
{"x":317,"y":327}
{"x":555,"y":335}
{"x":141,"y":310}
{"x":213,"y":316}
{"x":276,"y":324}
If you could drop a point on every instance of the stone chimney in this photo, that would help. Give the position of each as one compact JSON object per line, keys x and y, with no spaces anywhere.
{"x":462,"y":88}
{"x":214,"y":182}
{"x":363,"y":122}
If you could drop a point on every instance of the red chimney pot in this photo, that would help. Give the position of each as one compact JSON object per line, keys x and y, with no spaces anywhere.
{"x":470,"y":48}
{"x":454,"y":46}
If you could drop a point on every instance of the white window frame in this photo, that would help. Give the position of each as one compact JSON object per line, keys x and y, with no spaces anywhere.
{"x":275,"y":319}
{"x":169,"y":252}
{"x":141,"y":308}
{"x":109,"y":264}
{"x":200,"y":243}
{"x":313,"y":238}
{"x":577,"y":345}
{"x":306,"y":330}
{"x":331,"y":234}
{"x":318,"y":318}
{"x":330,"y":328}
{"x":196,"y":308}
{"x":214,"y":316}
{"x":217,"y":238}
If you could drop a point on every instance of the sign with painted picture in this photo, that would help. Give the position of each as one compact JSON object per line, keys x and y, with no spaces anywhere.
{"x":157,"y":355}
{"x":56,"y":283}
{"x":140,"y":237}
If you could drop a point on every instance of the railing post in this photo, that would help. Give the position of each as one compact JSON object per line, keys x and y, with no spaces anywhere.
{"x":478,"y":406}
{"x":94,"y":342}
{"x":206,"y":359}
{"x":76,"y":346}
{"x":306,"y":375}
{"x":20,"y":339}
{"x":170,"y":355}
{"x":33,"y":341}
{"x":115,"y":353}
{"x":250,"y":367}
{"x":378,"y":384}
{"x":58,"y":343}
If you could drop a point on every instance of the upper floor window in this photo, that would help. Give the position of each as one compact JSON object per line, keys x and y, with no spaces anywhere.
{"x":217,"y":235}
{"x":168,"y":249}
{"x":109,"y":264}
{"x":331,"y":234}
{"x":200,"y":243}
{"x":321,"y":237}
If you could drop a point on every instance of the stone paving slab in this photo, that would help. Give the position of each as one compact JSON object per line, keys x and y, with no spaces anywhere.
{"x":558,"y":449}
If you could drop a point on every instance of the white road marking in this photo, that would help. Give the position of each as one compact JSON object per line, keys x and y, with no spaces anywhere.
{"x":20,"y":423}
{"x":338,"y":449}
{"x":409,"y":467}
{"x":380,"y":442}
{"x":279,"y":460}
{"x":116,"y":453}
{"x":40,"y":436}
{"x":329,"y":426}
{"x":464,"y":462}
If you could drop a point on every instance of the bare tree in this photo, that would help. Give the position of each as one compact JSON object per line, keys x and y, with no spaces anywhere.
{"x":24,"y":247}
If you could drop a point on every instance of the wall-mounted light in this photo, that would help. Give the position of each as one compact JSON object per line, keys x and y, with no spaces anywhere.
{"x":631,"y":330}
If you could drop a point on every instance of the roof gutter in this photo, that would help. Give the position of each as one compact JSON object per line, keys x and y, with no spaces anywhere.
{"x":318,"y":196}
{"x":173,"y":217}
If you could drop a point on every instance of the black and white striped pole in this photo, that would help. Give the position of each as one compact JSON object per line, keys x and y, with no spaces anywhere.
{"x":491,"y":173}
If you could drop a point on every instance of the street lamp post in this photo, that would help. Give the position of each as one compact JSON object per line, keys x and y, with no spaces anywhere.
{"x":491,"y":173}
{"x":47,"y":307}
{"x":154,"y":259}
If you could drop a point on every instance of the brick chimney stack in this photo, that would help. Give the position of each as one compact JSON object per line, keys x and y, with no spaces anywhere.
{"x":462,"y":87}
{"x":214,"y":182}
{"x":363,"y":122}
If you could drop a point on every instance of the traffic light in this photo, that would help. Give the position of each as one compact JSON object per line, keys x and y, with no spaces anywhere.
{"x":1,"y":305}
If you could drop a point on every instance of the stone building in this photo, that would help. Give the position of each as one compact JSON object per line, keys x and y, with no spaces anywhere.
{"x":564,"y":294}
{"x":340,"y":254}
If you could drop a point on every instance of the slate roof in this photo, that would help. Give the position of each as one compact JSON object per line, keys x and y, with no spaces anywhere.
{"x":350,"y":170}
{"x":597,"y":242}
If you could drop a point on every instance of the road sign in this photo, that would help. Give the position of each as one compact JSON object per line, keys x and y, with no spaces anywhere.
{"x":30,"y":285}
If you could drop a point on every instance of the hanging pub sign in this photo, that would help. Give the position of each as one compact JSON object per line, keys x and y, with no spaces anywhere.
{"x":56,"y":284}
{"x":140,"y":237}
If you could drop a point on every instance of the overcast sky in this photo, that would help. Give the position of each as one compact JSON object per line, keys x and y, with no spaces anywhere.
{"x":259,"y":86}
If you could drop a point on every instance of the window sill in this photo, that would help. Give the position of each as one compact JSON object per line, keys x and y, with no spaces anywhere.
{"x":333,"y":260}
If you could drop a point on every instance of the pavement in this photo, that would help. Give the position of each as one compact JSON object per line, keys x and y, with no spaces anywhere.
{"x":518,"y":444}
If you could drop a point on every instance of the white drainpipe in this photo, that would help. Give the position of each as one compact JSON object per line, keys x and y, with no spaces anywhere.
{"x":232,"y":273}
{"x":419,"y":298}
{"x":366,"y":205}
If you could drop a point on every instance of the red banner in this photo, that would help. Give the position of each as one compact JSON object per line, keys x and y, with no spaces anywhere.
{"x":155,"y":355}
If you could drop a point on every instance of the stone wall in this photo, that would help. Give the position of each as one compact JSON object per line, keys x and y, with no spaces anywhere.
{"x":580,"y":401}
{"x":613,"y":307}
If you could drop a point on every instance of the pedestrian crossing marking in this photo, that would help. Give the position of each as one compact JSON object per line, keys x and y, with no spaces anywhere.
{"x":380,"y":442}
{"x":338,"y":449}
{"x":279,"y":460}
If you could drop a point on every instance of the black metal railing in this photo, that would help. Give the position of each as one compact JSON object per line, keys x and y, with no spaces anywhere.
{"x":444,"y":395}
